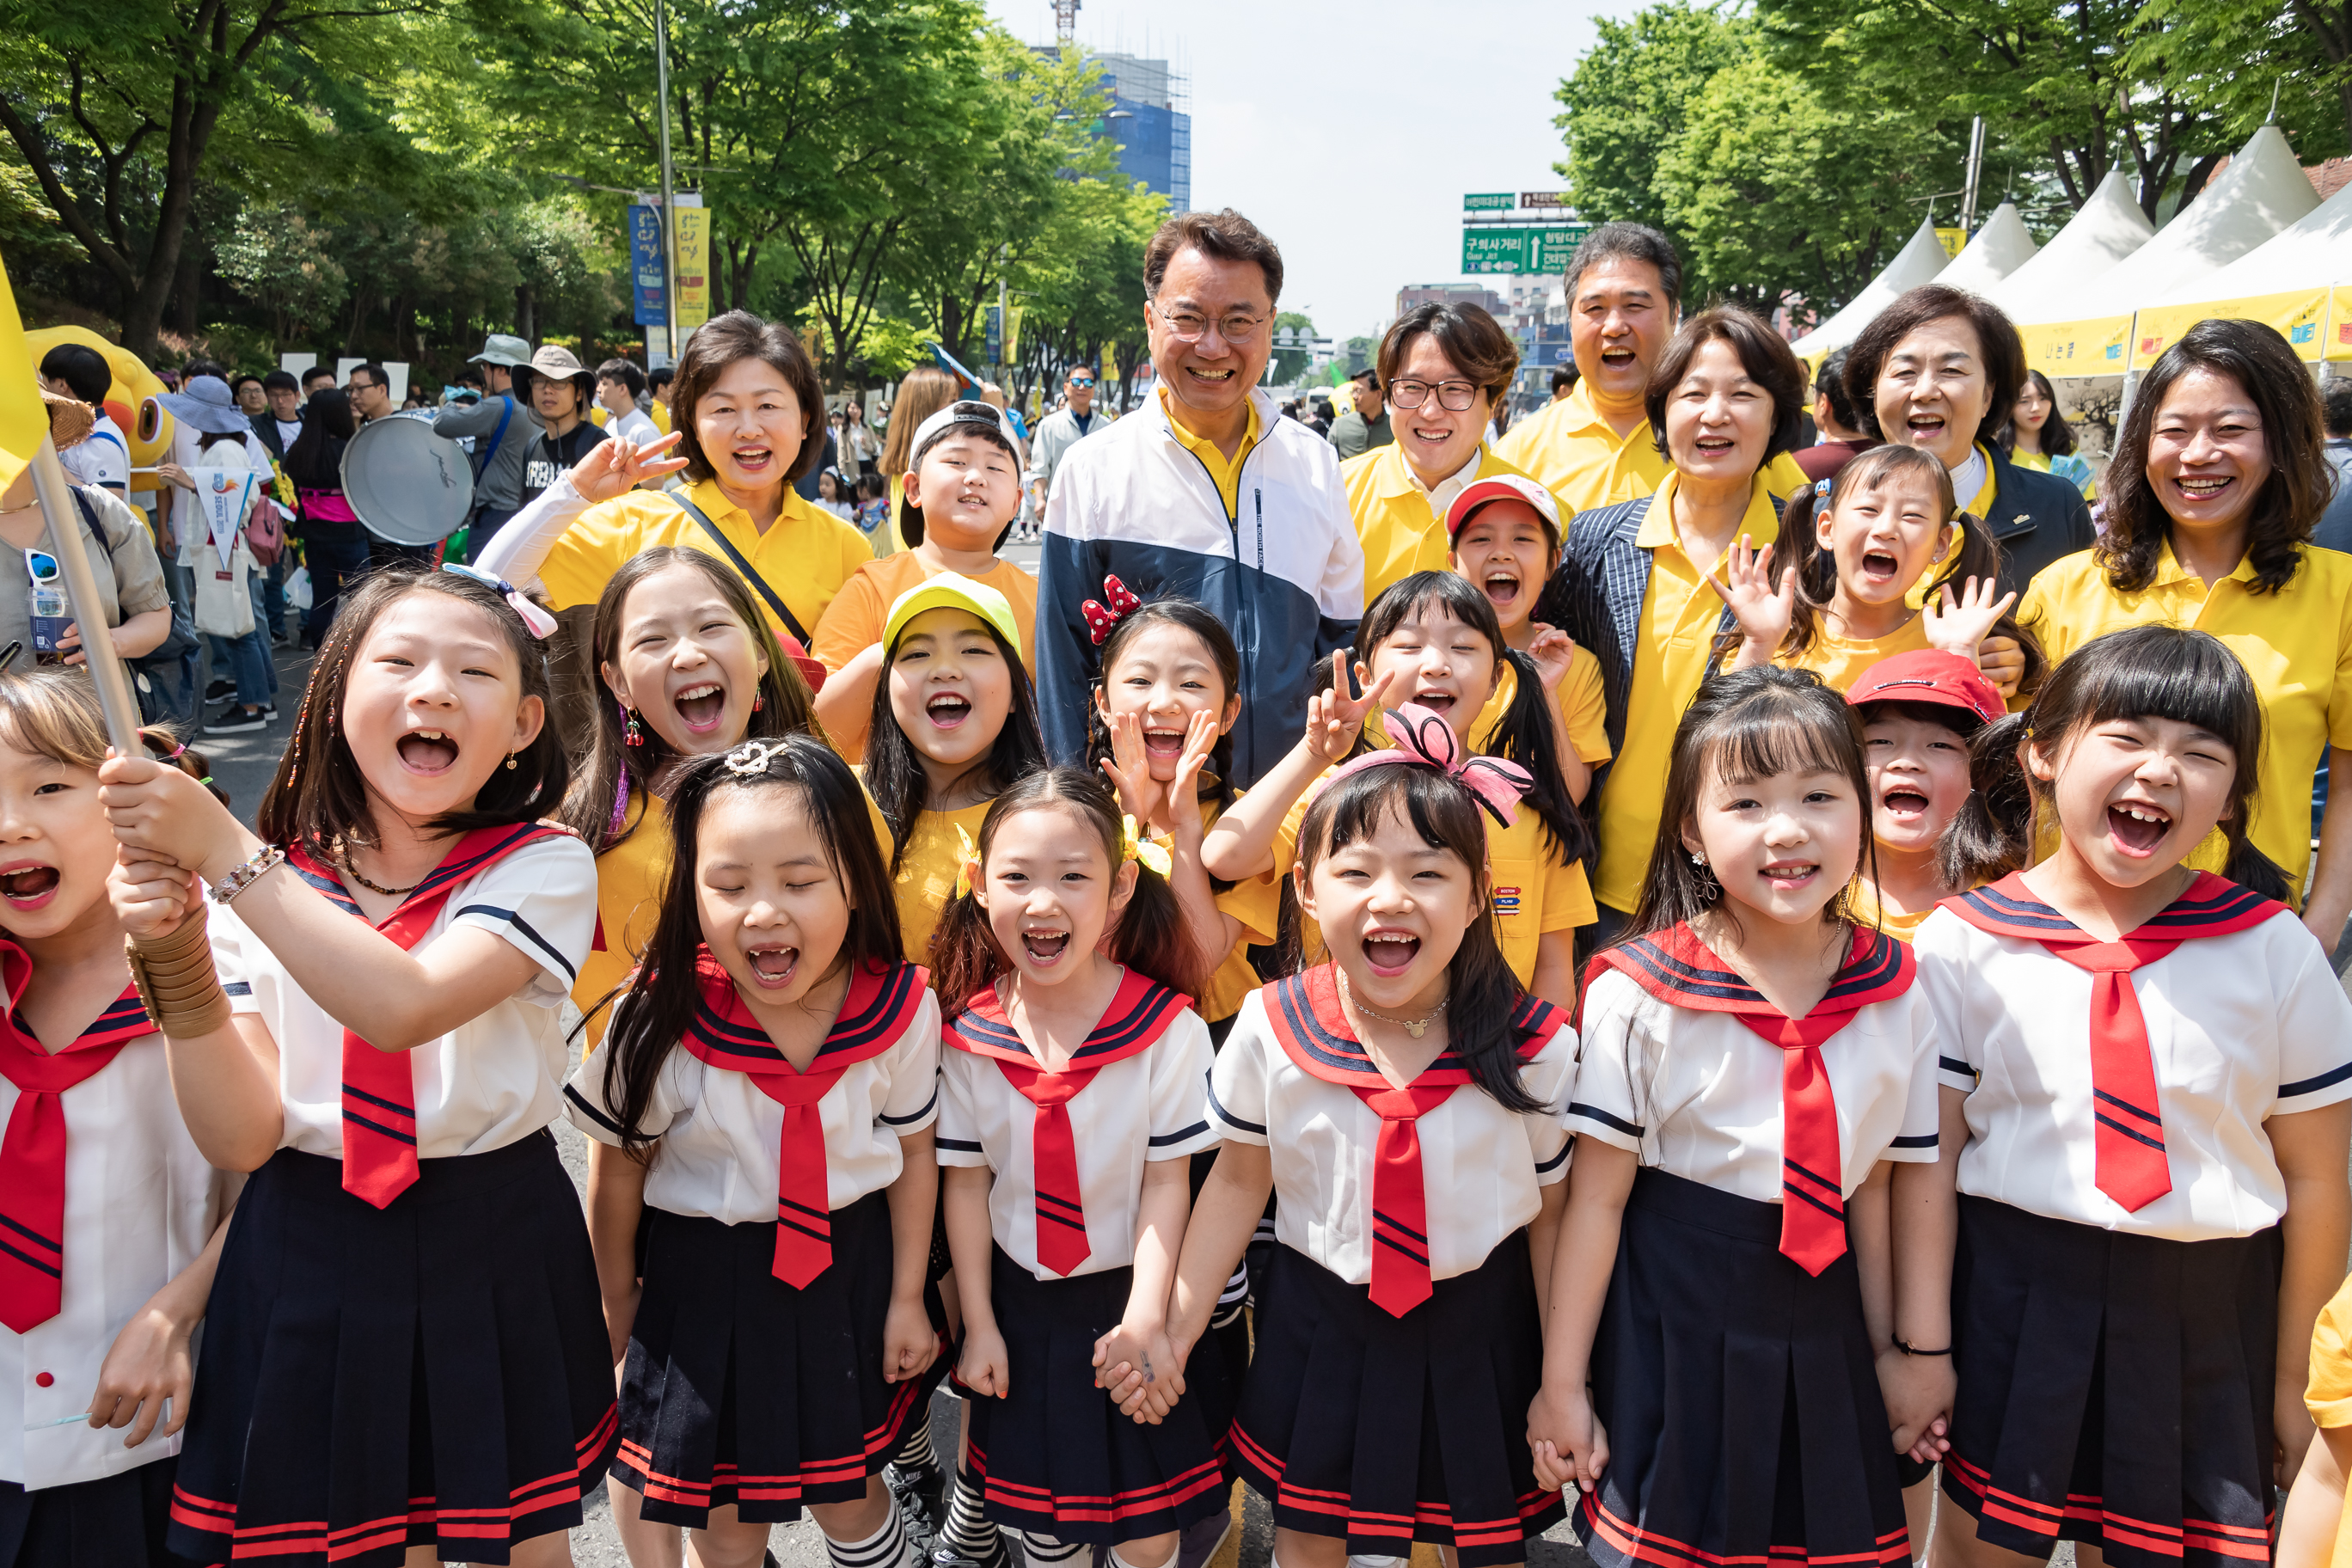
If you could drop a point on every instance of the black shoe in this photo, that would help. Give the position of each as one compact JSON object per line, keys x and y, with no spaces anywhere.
{"x":220,"y":691}
{"x":948,"y":1557}
{"x":921,"y":1496}
{"x":234,"y":721}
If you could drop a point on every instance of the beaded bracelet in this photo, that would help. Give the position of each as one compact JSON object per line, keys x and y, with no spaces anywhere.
{"x":245,"y":875}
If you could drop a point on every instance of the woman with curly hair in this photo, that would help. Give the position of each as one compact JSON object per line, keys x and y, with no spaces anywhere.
{"x":2217,"y":481}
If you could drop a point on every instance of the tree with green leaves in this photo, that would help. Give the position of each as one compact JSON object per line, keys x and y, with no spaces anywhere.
{"x":2244,"y":62}
{"x":1287,"y":365}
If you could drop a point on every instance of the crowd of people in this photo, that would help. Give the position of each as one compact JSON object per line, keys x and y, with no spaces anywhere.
{"x":1733,"y":966}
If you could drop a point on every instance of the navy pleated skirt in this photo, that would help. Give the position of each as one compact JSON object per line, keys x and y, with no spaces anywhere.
{"x":742,"y":1390}
{"x":1389,"y":1430}
{"x":2064,"y":1334}
{"x":114,"y":1521}
{"x":435,"y":1373}
{"x":1055,"y":1457}
{"x":1739,"y":1396}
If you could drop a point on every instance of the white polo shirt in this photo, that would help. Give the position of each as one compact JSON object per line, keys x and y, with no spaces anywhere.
{"x":490,"y":1081}
{"x":1482,"y":1167}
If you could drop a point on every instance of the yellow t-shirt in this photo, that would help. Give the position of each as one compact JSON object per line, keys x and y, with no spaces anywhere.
{"x":1256,"y":902}
{"x":927,"y":874}
{"x":631,"y":877}
{"x":805,"y":555}
{"x":854,"y":621}
{"x":659,"y":415}
{"x":1570,"y":450}
{"x":2297,"y":644}
{"x":1535,"y":891}
{"x":1400,"y":530}
{"x":1583,"y":704}
{"x":1227,"y":477}
{"x":1838,"y":661}
{"x":2329,"y":1396}
{"x":1679,"y":617}
{"x":1866,"y":912}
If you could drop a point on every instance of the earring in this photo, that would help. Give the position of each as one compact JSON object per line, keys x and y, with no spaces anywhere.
{"x":633,"y":733}
{"x":510,"y":759}
{"x":759,"y":700}
{"x":1709,"y":889}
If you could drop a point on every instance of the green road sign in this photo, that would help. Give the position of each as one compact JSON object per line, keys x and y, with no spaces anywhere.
{"x":1488,"y":202}
{"x":1528,"y":249}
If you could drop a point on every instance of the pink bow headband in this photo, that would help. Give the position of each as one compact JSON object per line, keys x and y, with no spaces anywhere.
{"x":538,"y":622}
{"x":1425,"y":740}
{"x":1100,"y":618}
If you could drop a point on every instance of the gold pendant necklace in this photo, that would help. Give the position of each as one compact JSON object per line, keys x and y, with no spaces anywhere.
{"x":1416,"y":1027}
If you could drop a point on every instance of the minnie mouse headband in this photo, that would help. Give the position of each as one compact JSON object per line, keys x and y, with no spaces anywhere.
{"x":1425,"y":740}
{"x":538,"y":622}
{"x":1101,"y":618}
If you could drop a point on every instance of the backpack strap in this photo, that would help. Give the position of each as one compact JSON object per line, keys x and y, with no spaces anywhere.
{"x":506,"y":412}
{"x":749,"y":573}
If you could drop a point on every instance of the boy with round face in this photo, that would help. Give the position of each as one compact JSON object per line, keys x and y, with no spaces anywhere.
{"x":1918,"y":710}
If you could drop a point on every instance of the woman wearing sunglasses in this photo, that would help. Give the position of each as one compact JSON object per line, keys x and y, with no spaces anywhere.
{"x":121,"y":557}
{"x":1443,"y":368}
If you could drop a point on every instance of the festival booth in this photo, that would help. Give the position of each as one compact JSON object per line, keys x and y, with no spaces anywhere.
{"x":1917,"y":262}
{"x":2082,"y":326}
{"x":2299,"y":281}
{"x":1997,"y":249}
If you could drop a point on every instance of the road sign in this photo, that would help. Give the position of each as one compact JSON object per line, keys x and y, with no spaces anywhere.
{"x":1551,"y":199}
{"x":1488,"y":202}
{"x":1528,"y":250}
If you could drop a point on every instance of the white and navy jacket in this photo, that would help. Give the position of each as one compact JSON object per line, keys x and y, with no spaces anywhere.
{"x":1286,"y":575}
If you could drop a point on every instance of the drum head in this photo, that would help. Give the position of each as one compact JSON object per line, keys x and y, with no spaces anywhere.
{"x":407,"y":485}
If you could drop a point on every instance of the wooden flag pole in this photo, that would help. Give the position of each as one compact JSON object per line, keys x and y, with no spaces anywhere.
{"x":114,"y":694}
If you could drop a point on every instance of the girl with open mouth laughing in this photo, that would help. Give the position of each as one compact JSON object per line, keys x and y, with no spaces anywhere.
{"x":1875,"y":570}
{"x":1404,"y":1097}
{"x":371,"y":1029}
{"x":2146,"y":1121}
{"x":762,"y":1123}
{"x":1071,"y":1107}
{"x":692,"y":670}
{"x":1431,"y":640}
{"x":112,"y":1230}
{"x":1754,"y":1067}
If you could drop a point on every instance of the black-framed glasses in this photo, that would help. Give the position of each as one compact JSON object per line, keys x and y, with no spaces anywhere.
{"x":1456,"y":396}
{"x":1236,"y":327}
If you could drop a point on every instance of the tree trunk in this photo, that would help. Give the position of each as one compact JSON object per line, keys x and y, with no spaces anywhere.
{"x":186,"y":290}
{"x":526,"y":322}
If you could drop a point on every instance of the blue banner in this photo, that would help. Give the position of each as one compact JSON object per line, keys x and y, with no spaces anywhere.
{"x":645,"y":267}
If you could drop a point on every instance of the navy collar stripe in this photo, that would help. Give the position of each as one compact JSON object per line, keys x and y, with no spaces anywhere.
{"x":1139,"y":1012}
{"x":869,"y":1024}
{"x":2211,"y":906}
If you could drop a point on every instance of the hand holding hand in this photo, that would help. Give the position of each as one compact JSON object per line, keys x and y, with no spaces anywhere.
{"x":164,"y":812}
{"x":1567,"y":1439}
{"x":1130,"y":1352}
{"x":614,"y":468}
{"x":150,"y":896}
{"x":1762,"y":606}
{"x":1918,"y":1391}
{"x":1334,"y":719}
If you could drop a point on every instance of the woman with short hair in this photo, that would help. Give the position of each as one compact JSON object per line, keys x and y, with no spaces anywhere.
{"x":1940,"y":369}
{"x":2217,"y":482}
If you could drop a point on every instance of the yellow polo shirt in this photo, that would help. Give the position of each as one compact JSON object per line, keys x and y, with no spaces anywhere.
{"x":1570,"y":449}
{"x":1256,"y":902}
{"x":2329,"y":1396}
{"x":2297,"y":644}
{"x":855,"y":620}
{"x":1584,"y":706}
{"x":630,"y":878}
{"x":805,"y":555}
{"x":1838,"y":661}
{"x":1679,"y":616}
{"x":1401,"y":528}
{"x":1226,"y":476}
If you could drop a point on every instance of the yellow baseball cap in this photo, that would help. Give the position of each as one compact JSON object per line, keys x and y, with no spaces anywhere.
{"x":953,"y":590}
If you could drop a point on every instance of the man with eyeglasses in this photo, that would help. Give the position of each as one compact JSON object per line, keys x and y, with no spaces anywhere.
{"x":1207,"y":493}
{"x":1365,"y":426}
{"x":370,"y":390}
{"x":1064,"y":428}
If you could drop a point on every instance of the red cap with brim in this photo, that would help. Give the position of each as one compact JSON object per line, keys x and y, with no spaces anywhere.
{"x":1931,"y":676}
{"x":1502,"y":486}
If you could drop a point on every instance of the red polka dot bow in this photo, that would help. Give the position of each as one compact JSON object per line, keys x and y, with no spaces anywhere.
{"x":1100,"y":620}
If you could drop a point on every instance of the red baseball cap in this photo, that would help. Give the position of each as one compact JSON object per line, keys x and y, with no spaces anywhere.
{"x":1502,"y":486}
{"x":1928,"y":675}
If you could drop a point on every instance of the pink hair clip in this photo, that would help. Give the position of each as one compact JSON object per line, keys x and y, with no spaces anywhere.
{"x":1425,"y":740}
{"x":538,"y":622}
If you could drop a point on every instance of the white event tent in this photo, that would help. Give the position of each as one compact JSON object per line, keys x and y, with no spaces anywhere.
{"x":1921,"y":257}
{"x":2107,"y":228}
{"x":2300,"y":282}
{"x":1991,"y":254}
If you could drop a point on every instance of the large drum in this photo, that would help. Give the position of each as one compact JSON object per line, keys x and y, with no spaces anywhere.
{"x":408,"y":485}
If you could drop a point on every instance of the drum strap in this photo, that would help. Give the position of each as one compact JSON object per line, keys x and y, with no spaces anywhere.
{"x":498,"y":435}
{"x":749,"y":573}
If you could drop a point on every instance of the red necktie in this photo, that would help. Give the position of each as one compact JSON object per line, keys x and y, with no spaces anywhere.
{"x":1061,"y":1208}
{"x":804,"y":1229}
{"x":1813,"y":1198}
{"x":33,"y":1150}
{"x":2128,"y":1128}
{"x":1400,"y":1196}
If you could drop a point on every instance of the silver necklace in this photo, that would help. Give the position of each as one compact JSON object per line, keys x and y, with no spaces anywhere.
{"x":1416,"y":1027}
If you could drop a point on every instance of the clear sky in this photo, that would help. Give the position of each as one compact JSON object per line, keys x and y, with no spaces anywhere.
{"x":1350,"y":131}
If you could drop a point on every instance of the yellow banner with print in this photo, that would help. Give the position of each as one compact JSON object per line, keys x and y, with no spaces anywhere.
{"x":693,"y":267}
{"x":23,"y":417}
{"x":2096,"y":347}
{"x":2335,"y":338}
{"x":2300,"y":316}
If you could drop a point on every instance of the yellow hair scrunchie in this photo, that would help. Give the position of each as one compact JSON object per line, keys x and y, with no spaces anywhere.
{"x":967,"y":864}
{"x":1132,"y":846}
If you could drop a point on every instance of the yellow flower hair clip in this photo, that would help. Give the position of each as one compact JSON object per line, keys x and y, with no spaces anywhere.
{"x":1133,"y":847}
{"x":967,"y":864}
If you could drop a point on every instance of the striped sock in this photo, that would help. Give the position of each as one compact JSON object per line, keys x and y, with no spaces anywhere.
{"x":966,"y":1533}
{"x":1042,"y":1550}
{"x":885,"y":1548}
{"x":917,"y":1453}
